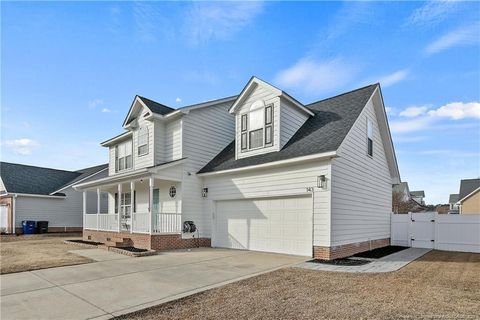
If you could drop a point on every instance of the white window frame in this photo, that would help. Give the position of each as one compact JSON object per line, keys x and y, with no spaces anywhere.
{"x":142,"y":134}
{"x":123,"y":159}
{"x":370,"y":130}
{"x":246,"y":130}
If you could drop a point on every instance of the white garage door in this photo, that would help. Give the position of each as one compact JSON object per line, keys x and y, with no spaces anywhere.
{"x":282,"y":225}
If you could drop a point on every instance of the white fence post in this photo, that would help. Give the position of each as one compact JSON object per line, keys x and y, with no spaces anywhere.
{"x":84,"y":209}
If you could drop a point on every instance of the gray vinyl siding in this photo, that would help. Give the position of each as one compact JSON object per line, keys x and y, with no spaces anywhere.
{"x":361,"y":186}
{"x":291,"y":119}
{"x":276,"y":182}
{"x":269,"y":97}
{"x":111,"y":161}
{"x":206,"y":132}
{"x":173,"y":140}
{"x":59,"y":212}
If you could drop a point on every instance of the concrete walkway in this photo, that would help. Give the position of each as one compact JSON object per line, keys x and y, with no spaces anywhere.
{"x":117,"y":284}
{"x":389,"y":263}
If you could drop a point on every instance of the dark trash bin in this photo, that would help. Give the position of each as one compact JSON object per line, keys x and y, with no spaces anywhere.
{"x":42,"y":226}
{"x":28,"y":226}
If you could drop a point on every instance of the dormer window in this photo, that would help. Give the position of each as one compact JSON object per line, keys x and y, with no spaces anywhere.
{"x":123,"y":156}
{"x":257,"y":127}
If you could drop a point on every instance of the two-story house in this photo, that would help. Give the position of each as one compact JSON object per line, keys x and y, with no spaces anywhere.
{"x":258,"y":171}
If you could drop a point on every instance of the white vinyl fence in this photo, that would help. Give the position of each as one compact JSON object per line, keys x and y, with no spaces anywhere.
{"x":451,"y":232}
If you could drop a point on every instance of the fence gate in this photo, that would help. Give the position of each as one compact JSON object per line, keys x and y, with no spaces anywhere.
{"x":422,"y":230}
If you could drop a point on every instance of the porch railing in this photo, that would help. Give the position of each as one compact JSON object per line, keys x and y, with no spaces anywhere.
{"x":161,"y":222}
{"x":167,"y":223}
{"x":102,"y":221}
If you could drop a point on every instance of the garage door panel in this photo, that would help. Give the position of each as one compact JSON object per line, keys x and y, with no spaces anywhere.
{"x":282,"y":225}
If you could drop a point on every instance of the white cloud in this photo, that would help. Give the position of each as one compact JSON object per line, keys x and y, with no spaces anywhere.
{"x":21,"y":146}
{"x":411,"y":112}
{"x":457,"y":110}
{"x":206,"y":21}
{"x":432,"y":12}
{"x":106,"y":110}
{"x":178,"y":100}
{"x":449,"y":153}
{"x":391,"y":79}
{"x":404,"y":126}
{"x":314,"y":76}
{"x":95,"y":102}
{"x":460,"y":37}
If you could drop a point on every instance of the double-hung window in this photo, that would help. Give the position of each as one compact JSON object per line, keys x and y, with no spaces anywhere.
{"x":123,"y":156}
{"x":257,"y":127}
{"x":370,"y":137}
{"x":142,"y":141}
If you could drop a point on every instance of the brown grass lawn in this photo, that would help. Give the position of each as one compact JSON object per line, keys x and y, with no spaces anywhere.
{"x":440,"y":285}
{"x":24,"y":253}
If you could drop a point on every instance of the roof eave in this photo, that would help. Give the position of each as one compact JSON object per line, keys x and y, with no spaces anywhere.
{"x":323,"y":155}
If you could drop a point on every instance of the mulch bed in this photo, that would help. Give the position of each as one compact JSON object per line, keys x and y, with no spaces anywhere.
{"x":93,"y":243}
{"x":380,"y":252}
{"x":342,"y":262}
{"x":133,"y":249}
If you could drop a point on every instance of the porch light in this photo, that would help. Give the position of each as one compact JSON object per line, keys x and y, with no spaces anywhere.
{"x":322,"y":182}
{"x":204,"y":192}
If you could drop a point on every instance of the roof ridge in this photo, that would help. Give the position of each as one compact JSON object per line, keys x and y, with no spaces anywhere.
{"x":205,"y":102}
{"x":32,"y":166}
{"x":91,"y":167}
{"x":342,"y":94}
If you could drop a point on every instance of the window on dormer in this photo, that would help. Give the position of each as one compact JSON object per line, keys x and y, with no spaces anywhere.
{"x":257,"y":127}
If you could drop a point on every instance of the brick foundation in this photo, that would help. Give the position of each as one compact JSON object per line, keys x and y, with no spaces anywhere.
{"x":157,"y":242}
{"x":342,"y":251}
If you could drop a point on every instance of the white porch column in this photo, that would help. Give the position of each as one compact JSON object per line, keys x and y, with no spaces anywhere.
{"x":98,"y":208}
{"x":119,"y":207}
{"x":84,"y":208}
{"x":132,"y":204}
{"x":150,"y":203}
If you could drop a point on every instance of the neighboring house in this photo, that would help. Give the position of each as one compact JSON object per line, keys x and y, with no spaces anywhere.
{"x":469,"y":196}
{"x":452,"y":200}
{"x":418,"y":196}
{"x":258,"y":171}
{"x":403,"y":191}
{"x":44,"y":194}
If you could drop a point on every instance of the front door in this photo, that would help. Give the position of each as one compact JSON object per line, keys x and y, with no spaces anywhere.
{"x":126,"y":207}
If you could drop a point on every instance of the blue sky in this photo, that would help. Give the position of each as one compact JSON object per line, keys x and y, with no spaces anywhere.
{"x":69,"y":71}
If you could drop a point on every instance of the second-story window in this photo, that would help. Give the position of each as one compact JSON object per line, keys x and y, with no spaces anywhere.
{"x":257,"y":127}
{"x":370,"y":137}
{"x":123,"y":156}
{"x":143,"y":141}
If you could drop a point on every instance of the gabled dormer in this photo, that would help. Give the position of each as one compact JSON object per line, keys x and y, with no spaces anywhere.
{"x":265,"y":119}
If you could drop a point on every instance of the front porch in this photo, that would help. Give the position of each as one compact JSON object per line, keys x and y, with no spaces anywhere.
{"x":146,"y":205}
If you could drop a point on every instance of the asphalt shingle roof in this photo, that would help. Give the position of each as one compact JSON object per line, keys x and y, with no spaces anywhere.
{"x":467,"y":186}
{"x":156,"y":107}
{"x":419,"y":193}
{"x":19,"y":178}
{"x":323,"y":132}
{"x":453,"y":198}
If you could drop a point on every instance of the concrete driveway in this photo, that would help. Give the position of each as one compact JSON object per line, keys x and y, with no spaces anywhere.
{"x":118,"y":284}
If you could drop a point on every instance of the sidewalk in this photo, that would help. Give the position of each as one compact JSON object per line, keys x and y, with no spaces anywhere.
{"x":389,"y":263}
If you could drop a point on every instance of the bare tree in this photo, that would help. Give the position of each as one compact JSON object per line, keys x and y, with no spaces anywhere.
{"x":400,"y":206}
